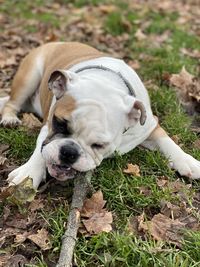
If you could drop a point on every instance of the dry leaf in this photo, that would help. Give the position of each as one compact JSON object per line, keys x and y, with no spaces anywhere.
{"x":196,"y":144}
{"x":134,"y":224}
{"x":3,"y":148}
{"x":191,"y":53}
{"x":2,"y":160}
{"x":8,"y":62}
{"x":188,"y":90}
{"x":177,"y":186}
{"x":145,"y":190}
{"x":139,"y":35}
{"x":30,"y":121}
{"x":107,"y":8}
{"x":98,"y":219}
{"x":162,"y":181}
{"x":164,"y":228}
{"x":93,"y":205}
{"x":132,"y":169}
{"x":134,"y":64}
{"x":7,"y":260}
{"x":99,"y":222}
{"x":20,"y":238}
{"x":23,"y":192}
{"x":170,"y":210}
{"x":182,"y":80}
{"x":162,"y":37}
{"x":41,"y":239}
{"x":6,"y":192}
{"x":36,"y":204}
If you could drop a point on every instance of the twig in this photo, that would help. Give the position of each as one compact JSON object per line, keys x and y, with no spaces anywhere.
{"x":81,"y":188}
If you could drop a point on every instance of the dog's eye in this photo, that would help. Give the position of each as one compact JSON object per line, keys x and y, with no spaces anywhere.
{"x":60,"y":126}
{"x":97,"y":146}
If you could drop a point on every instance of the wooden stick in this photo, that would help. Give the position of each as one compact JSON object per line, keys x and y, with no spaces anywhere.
{"x":81,"y":188}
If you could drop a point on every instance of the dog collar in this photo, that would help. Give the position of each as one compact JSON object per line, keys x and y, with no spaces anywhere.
{"x":100,"y":67}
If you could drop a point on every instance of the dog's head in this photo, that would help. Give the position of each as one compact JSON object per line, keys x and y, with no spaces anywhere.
{"x":86,"y":122}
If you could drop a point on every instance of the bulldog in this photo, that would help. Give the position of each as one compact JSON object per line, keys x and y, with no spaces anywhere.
{"x":92,"y":105}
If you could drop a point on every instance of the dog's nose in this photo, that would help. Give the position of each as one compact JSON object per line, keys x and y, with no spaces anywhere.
{"x":69,"y":154}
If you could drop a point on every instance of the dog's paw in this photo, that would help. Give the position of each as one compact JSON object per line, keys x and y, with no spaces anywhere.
{"x":187,"y":166}
{"x":10,"y":120}
{"x":37,"y":173}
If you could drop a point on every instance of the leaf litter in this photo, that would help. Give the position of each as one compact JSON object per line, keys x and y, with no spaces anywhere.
{"x":132,"y":169}
{"x":174,"y":219}
{"x":95,"y":217}
{"x":188,"y":90}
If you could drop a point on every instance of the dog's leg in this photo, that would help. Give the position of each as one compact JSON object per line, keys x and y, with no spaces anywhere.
{"x":35,"y":167}
{"x":3,"y":101}
{"x":185,"y":164}
{"x":25,"y":83}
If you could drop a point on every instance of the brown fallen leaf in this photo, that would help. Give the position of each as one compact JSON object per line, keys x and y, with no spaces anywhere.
{"x":191,"y":53}
{"x":20,"y":238}
{"x":163,"y":228}
{"x":139,"y":35}
{"x":99,"y":222}
{"x":134,"y":224}
{"x":134,"y":64}
{"x":170,"y":210}
{"x":3,"y":148}
{"x":98,"y":219}
{"x":177,"y":186}
{"x":196,"y":144}
{"x":41,"y":239}
{"x":93,"y":205}
{"x":182,"y":79}
{"x":16,"y":260}
{"x":106,"y":9}
{"x":145,"y":190}
{"x":6,"y":192}
{"x":132,"y":169}
{"x":17,"y":222}
{"x":188,"y":90}
{"x":2,"y":160}
{"x":36,"y":204}
{"x":30,"y":121}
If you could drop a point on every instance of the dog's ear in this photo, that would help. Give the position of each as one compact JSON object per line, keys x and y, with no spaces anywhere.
{"x":59,"y":81}
{"x":136,"y":111}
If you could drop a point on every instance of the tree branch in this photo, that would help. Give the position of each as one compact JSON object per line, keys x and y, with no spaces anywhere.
{"x":81,"y":188}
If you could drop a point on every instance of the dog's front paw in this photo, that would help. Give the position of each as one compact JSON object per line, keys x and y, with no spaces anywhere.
{"x":37,"y":173}
{"x":10,"y":120}
{"x":187,"y":166}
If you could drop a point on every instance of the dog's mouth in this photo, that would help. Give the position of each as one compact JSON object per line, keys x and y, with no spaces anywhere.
{"x":61,"y":172}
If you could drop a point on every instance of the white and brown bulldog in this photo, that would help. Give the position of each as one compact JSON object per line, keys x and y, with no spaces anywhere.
{"x":92,"y":105}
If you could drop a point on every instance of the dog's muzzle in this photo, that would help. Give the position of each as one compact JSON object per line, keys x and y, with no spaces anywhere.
{"x":60,"y":165}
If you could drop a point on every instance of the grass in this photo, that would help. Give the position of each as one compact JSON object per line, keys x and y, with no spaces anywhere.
{"x":119,"y":249}
{"x":122,"y":192}
{"x":21,"y":142}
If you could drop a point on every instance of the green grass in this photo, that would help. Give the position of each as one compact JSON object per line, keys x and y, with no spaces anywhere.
{"x":21,"y":143}
{"x":24,"y":10}
{"x":119,"y":249}
{"x":122,"y":192}
{"x":114,"y":24}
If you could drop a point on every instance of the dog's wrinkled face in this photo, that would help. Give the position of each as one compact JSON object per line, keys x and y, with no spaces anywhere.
{"x":82,"y":131}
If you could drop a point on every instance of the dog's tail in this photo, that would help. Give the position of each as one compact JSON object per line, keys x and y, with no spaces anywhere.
{"x":3,"y":101}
